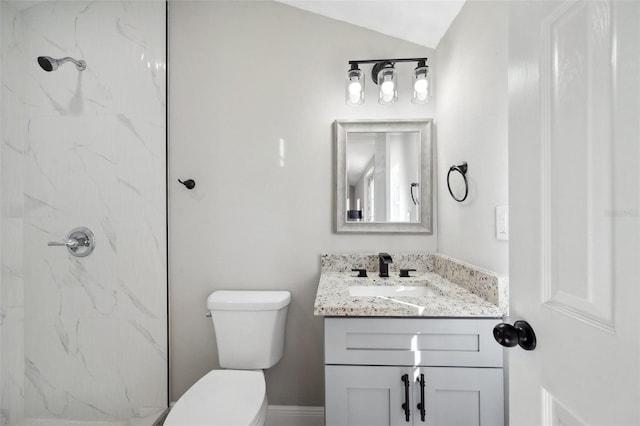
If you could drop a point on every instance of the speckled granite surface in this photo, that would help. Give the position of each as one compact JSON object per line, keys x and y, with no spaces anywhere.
{"x":486,"y":284}
{"x":461,"y":290}
{"x":345,"y":262}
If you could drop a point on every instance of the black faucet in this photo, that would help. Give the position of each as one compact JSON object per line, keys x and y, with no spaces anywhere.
{"x":385,"y":260}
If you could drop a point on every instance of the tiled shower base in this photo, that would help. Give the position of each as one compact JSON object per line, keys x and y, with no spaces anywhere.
{"x":151,"y":420}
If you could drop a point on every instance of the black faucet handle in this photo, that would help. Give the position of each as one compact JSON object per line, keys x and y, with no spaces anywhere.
{"x":404,"y":273}
{"x":362,"y":273}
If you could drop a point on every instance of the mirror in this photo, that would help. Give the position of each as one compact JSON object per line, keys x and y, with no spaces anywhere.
{"x":383,"y":176}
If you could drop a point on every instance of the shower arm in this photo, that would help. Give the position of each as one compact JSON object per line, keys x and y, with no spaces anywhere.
{"x":81,"y":65}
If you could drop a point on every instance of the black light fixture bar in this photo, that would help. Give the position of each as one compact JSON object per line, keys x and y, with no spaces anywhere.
{"x":383,"y":73}
{"x":373,"y":61}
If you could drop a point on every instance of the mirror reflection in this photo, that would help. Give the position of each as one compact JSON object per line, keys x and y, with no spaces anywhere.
{"x":383,"y":177}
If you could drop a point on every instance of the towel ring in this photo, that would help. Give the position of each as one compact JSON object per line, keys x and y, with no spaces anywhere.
{"x":462,"y":169}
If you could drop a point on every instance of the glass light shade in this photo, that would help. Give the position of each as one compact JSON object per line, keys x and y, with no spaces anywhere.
{"x":388,"y":84}
{"x":420,"y":85}
{"x":354,"y":87}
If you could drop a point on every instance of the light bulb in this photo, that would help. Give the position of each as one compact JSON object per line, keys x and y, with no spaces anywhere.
{"x":355,"y":88}
{"x":421,"y":86}
{"x":387,"y":91}
{"x":420,"y":91}
{"x":387,"y":88}
{"x":420,"y":98}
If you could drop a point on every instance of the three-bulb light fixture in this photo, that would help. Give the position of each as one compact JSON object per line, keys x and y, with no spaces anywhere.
{"x":385,"y":76}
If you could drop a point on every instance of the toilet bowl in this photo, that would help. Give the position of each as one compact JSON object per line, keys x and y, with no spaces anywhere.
{"x":222,"y":398}
{"x":249,"y":328}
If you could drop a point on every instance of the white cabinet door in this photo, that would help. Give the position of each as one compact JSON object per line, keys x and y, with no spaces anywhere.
{"x":574,"y":186}
{"x":365,"y":396}
{"x":461,"y":396}
{"x":373,"y":396}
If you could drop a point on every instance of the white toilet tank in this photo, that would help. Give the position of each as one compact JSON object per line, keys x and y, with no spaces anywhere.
{"x":249,"y":327}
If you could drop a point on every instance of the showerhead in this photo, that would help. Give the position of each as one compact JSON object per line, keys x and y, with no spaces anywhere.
{"x":49,"y":64}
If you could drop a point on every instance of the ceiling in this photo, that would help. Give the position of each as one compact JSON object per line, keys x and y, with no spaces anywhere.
{"x":423,"y":22}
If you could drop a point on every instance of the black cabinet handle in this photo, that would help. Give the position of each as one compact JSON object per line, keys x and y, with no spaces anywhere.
{"x":520,"y":333}
{"x":421,"y":406}
{"x":405,"y":406}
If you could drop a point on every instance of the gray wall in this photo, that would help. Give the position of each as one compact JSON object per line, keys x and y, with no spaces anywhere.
{"x":471,"y":81}
{"x":254,"y":88}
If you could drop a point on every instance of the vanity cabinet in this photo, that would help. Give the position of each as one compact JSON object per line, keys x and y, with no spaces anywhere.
{"x":374,"y":366}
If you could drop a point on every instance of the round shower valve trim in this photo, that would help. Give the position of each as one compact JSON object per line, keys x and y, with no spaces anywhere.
{"x":80,"y":242}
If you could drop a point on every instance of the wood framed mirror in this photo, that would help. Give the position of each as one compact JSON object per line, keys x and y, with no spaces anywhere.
{"x":383,"y":176}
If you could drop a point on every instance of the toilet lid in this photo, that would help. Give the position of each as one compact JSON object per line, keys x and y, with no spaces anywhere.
{"x":221,"y":397}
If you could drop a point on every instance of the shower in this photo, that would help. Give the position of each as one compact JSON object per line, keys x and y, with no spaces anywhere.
{"x":83,"y":340}
{"x":49,"y":64}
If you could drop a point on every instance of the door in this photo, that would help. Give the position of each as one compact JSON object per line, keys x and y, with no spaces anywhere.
{"x":365,"y":395}
{"x":573,"y":189}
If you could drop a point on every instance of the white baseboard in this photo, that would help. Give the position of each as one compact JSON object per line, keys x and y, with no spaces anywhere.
{"x":291,"y":415}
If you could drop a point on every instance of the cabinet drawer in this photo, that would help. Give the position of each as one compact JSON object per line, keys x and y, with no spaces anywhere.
{"x":412,"y":341}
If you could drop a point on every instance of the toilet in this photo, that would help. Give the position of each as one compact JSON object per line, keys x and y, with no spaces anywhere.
{"x":249,"y":327}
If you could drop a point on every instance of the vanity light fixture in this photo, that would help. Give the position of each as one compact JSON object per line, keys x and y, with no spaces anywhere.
{"x":385,"y":76}
{"x":420,"y":83}
{"x":354,"y":89}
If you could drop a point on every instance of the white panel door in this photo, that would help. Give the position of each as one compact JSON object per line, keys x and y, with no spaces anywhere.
{"x":574,"y":188}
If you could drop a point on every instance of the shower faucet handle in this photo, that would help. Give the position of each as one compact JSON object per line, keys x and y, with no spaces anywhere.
{"x":71,"y":243}
{"x":80,"y":242}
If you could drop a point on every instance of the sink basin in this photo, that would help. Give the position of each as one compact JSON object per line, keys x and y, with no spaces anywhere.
{"x":392,"y":290}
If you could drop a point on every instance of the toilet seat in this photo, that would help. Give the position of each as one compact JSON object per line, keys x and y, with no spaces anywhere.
{"x":222,"y":398}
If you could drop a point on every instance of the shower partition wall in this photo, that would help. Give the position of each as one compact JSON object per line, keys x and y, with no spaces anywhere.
{"x":83,"y":339}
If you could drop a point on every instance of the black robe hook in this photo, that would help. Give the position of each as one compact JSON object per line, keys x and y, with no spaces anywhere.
{"x":189,"y":183}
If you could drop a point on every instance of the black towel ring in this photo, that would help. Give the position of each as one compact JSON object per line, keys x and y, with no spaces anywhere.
{"x":462,"y":169}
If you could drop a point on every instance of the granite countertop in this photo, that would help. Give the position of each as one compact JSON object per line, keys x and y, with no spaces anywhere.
{"x":449,"y":299}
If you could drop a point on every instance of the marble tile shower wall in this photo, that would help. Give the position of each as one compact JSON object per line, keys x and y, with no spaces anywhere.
{"x":13,"y":128}
{"x":83,"y":338}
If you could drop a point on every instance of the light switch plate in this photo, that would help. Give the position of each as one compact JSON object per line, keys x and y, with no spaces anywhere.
{"x":502,"y":223}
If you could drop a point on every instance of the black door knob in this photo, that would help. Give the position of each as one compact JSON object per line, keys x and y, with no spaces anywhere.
{"x":506,"y":335}
{"x":520,"y":333}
